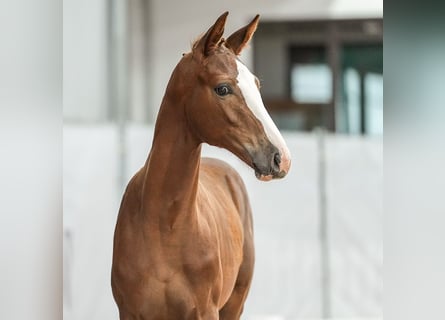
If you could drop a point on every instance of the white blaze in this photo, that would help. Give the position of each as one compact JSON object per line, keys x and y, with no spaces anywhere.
{"x":252,"y":96}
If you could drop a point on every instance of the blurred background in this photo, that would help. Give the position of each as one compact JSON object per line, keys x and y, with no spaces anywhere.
{"x":318,"y":232}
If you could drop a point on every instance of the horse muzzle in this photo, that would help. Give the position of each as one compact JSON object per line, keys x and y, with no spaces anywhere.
{"x":271,"y":163}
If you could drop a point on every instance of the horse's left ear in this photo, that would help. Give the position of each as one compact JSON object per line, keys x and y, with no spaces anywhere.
{"x":239,"y":39}
{"x":211,"y":39}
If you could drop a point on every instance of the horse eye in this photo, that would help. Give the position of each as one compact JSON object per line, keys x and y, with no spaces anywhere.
{"x":223,"y":90}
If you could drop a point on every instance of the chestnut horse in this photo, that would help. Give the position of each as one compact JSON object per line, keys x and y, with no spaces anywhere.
{"x":183,"y":244}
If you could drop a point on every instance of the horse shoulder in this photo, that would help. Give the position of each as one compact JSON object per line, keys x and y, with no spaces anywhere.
{"x":218,"y":175}
{"x":224,"y":195}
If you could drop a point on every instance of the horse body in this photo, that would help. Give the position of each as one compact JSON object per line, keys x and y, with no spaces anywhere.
{"x":183,"y":245}
{"x":190,"y":271}
{"x":184,"y":260}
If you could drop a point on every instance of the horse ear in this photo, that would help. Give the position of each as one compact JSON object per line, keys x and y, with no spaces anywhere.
{"x":211,"y":39}
{"x":239,"y":39}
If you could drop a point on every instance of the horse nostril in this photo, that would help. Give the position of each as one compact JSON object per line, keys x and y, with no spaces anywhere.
{"x":277,"y":159}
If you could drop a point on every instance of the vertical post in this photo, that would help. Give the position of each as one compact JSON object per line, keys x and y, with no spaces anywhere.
{"x":335,"y":64}
{"x":118,"y":78}
{"x":138,"y":60}
{"x":362,"y":102}
{"x":335,"y":60}
{"x":325,"y":281}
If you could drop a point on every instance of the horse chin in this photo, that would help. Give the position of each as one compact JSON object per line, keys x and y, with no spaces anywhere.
{"x":269,"y":177}
{"x":262,"y":177}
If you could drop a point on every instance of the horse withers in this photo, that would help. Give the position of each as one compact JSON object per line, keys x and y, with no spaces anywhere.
{"x":183,"y":244}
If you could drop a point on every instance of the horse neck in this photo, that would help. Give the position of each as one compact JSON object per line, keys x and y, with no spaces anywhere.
{"x":172,"y":168}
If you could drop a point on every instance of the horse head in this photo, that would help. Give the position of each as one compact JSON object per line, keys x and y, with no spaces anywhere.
{"x":224,"y":106}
